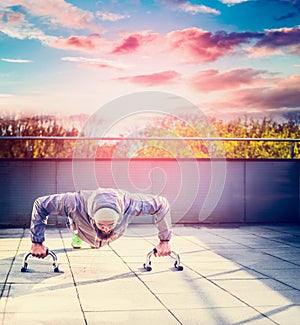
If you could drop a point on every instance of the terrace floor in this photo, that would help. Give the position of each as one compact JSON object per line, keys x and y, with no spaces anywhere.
{"x":238,"y":274}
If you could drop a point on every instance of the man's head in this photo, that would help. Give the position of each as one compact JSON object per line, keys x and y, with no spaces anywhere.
{"x":106,"y":219}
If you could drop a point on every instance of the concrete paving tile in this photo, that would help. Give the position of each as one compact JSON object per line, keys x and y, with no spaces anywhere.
{"x":87,"y":251}
{"x":7,"y":255}
{"x":286,"y":255}
{"x":132,"y":241}
{"x":107,"y":286}
{"x":221,"y":264}
{"x":187,"y":238}
{"x":223,"y":270}
{"x":289,"y":277}
{"x":4,"y":270}
{"x":291,"y":282}
{"x":205,"y":294}
{"x":142,"y":230}
{"x":283,"y":273}
{"x":125,"y":248}
{"x":292,"y":295}
{"x":137,"y":260}
{"x":260,"y":292}
{"x":4,"y":262}
{"x":233,"y":273}
{"x":202,"y":256}
{"x":88,"y":275}
{"x":271,"y":263}
{"x":145,"y":317}
{"x":84,"y":276}
{"x":187,"y":230}
{"x":217,"y":316}
{"x":223,"y":247}
{"x":11,"y":232}
{"x":93,"y":259}
{"x":9,"y":244}
{"x":210,"y":240}
{"x":248,"y":257}
{"x":117,"y":294}
{"x":100,"y":262}
{"x":123,"y":281}
{"x":46,"y":318}
{"x":133,"y":252}
{"x":286,"y":314}
{"x":50,"y":233}
{"x":282,"y":228}
{"x":161,"y":287}
{"x":235,"y":285}
{"x":201,"y":299}
{"x":1,"y":287}
{"x":28,"y":298}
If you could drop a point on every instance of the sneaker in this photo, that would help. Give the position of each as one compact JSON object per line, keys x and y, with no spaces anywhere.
{"x":94,"y":247}
{"x":76,"y":242}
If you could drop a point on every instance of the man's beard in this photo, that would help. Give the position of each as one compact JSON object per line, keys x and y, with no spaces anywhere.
{"x":103,"y":236}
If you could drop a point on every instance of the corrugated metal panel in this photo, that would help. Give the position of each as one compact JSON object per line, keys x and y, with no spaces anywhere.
{"x":272,"y":191}
{"x":21,"y":183}
{"x":227,"y":194}
{"x":179,"y":183}
{"x":65,"y":182}
{"x":197,"y":190}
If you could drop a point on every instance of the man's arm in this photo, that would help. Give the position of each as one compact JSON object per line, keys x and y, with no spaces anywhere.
{"x":42,"y":208}
{"x":164,"y":226}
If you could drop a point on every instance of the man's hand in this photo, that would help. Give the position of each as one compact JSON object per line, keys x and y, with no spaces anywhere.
{"x":163,"y":249}
{"x":39,"y":250}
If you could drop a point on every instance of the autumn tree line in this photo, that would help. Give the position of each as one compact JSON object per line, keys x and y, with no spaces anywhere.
{"x":175,"y":130}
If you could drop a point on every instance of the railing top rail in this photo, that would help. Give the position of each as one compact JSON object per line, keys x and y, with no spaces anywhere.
{"x":145,"y":138}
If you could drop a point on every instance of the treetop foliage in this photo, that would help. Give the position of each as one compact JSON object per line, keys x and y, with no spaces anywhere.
{"x":167,"y":126}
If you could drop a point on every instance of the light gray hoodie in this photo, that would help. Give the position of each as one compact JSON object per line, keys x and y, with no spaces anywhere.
{"x":81,"y":206}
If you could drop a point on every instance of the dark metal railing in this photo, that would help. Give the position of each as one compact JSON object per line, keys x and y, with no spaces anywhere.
{"x":292,"y":141}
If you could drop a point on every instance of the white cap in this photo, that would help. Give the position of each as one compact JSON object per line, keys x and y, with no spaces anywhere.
{"x":106,"y":214}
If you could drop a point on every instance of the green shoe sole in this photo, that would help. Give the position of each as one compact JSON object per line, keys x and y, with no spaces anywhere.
{"x":76,"y":242}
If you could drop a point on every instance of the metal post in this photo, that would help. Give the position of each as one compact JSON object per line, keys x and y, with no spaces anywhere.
{"x":30,"y":149}
{"x":292,"y":150}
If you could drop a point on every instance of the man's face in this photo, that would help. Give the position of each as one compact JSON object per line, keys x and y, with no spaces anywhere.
{"x":105,"y":226}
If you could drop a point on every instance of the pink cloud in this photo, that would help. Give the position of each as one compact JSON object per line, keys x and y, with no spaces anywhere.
{"x":196,"y":9}
{"x":188,"y":7}
{"x":199,"y":45}
{"x":257,"y":52}
{"x":212,"y":80}
{"x":96,"y":62}
{"x":279,"y":40}
{"x":15,"y":25}
{"x":80,"y":43}
{"x":285,"y":93}
{"x":134,"y":41}
{"x":13,"y":18}
{"x":280,"y":37}
{"x":194,"y":45}
{"x":58,"y":12}
{"x":159,"y":78}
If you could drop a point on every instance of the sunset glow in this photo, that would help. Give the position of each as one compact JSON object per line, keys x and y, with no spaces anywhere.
{"x":230,"y":57}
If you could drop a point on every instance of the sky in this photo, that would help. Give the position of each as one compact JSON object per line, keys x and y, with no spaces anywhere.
{"x":229,"y":57}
